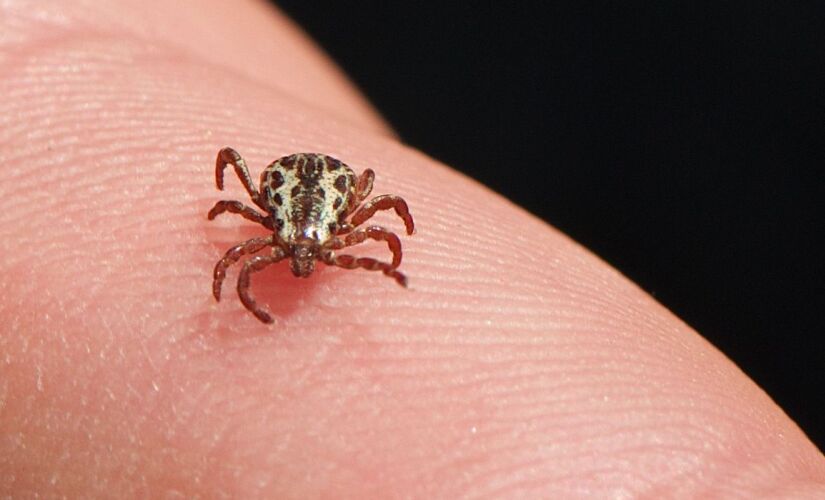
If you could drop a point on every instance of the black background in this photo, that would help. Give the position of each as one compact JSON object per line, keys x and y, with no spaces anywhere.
{"x":681,"y":142}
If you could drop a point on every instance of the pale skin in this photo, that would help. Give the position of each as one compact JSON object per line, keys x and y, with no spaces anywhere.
{"x":516,"y":364}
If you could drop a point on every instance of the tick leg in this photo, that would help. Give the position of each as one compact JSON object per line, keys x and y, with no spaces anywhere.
{"x":364,"y":187}
{"x":368,"y":263}
{"x":377,"y":233}
{"x":253,"y":265}
{"x":228,"y":156}
{"x":384,"y":202}
{"x":231,"y":256}
{"x":244,"y":211}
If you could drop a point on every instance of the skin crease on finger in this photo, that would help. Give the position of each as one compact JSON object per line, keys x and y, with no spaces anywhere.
{"x":517,"y":364}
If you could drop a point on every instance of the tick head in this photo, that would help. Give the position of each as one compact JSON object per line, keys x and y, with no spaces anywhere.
{"x":304,"y":253}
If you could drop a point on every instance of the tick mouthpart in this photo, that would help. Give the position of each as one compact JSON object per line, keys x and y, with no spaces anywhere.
{"x":304,"y":253}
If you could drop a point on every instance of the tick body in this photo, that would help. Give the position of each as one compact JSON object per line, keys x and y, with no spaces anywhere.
{"x":313,"y":205}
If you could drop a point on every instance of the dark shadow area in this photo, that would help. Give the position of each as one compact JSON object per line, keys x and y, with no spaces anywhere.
{"x":682,"y":142}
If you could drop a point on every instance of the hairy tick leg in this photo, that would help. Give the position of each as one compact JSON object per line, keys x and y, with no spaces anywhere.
{"x":384,"y":202}
{"x":231,"y":256}
{"x":368,"y":263}
{"x":377,"y":233}
{"x":255,"y":264}
{"x":228,"y":156}
{"x":364,"y":187}
{"x":239,"y":208}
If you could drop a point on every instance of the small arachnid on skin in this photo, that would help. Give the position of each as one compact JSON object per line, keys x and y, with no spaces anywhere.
{"x":312,"y":203}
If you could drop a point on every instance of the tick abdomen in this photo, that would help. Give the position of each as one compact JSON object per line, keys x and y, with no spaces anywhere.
{"x":309,"y":195}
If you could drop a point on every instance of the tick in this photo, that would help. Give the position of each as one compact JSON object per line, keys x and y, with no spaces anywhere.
{"x":312,"y":203}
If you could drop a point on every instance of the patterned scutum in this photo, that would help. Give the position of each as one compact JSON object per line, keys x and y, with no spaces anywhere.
{"x":308,"y":195}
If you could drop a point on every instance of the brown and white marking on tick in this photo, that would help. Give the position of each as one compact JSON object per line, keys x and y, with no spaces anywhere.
{"x":313,"y":206}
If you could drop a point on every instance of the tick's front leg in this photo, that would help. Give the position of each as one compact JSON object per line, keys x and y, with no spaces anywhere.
{"x":231,"y":256}
{"x":377,"y":233}
{"x":253,"y":265}
{"x":368,"y":263}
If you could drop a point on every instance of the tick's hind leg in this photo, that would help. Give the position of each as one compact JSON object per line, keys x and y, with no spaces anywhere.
{"x":368,"y":263}
{"x":253,"y":265}
{"x":231,"y":256}
{"x":228,"y":156}
{"x":244,"y":211}
{"x":384,"y":202}
{"x":364,"y":186}
{"x":377,"y":233}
